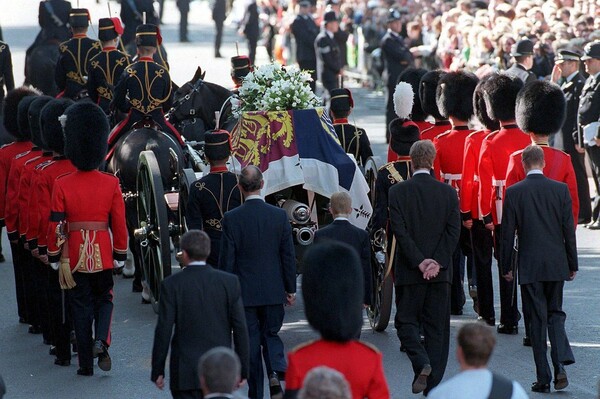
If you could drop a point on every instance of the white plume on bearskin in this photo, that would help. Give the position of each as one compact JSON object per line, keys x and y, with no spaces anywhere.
{"x":403,"y":100}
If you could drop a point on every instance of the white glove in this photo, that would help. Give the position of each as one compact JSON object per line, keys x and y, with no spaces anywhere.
{"x":118,"y":264}
{"x":54,"y":265}
{"x":380,"y":256}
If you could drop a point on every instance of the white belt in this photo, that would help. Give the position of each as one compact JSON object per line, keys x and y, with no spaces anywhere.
{"x":452,"y":177}
{"x":498,"y":183}
{"x":475,"y":178}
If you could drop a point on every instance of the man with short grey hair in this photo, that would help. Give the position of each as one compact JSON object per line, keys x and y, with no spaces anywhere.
{"x":257,"y":246}
{"x":219,"y":370}
{"x":200,"y":308}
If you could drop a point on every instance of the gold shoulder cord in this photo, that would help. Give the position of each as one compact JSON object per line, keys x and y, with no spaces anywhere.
{"x":394,"y":172}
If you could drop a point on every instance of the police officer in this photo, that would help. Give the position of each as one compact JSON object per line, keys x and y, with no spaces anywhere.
{"x":214,"y":194}
{"x":89,"y":205}
{"x":354,"y":140}
{"x":396,"y":56}
{"x":522,"y":51}
{"x":305,"y":32}
{"x":570,"y":140}
{"x":108,"y":66}
{"x":72,"y":66}
{"x":329,"y":62}
{"x":145,"y":88}
{"x":588,"y":113}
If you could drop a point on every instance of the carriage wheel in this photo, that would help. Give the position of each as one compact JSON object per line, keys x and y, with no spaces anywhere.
{"x":153,"y":231}
{"x":382,"y":285}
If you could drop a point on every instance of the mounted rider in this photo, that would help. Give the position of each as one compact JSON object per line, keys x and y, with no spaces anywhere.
{"x":106,"y":67}
{"x":71,"y":69}
{"x":53,"y":17}
{"x":145,"y":89}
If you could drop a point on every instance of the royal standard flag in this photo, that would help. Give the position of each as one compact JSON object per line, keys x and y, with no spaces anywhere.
{"x":300,"y":147}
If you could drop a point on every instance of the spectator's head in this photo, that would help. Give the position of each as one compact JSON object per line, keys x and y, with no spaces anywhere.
{"x":455,"y":95}
{"x":413,"y":77}
{"x":251,"y":180}
{"x":195,"y":246}
{"x":394,"y":20}
{"x":591,"y":57}
{"x":501,"y":96}
{"x":567,"y":61}
{"x":324,"y":383}
{"x":428,"y":93}
{"x":341,"y":103}
{"x":480,"y":108}
{"x":11,"y":110}
{"x":217,"y":147}
{"x":475,"y":346}
{"x":333,"y":290}
{"x":541,"y":108}
{"x":340,"y":204}
{"x":533,"y":158}
{"x":522,"y":51}
{"x":219,"y":370}
{"x":331,"y":22}
{"x":422,"y":155}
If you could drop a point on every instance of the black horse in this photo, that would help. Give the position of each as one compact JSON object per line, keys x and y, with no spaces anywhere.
{"x":40,"y":66}
{"x":194,"y":107}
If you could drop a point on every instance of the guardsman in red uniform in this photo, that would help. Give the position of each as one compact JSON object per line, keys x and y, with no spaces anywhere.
{"x":455,"y":101}
{"x":88,"y":219}
{"x":72,"y":67}
{"x":413,"y":77}
{"x":533,"y":117}
{"x":500,"y":97}
{"x":480,"y":237}
{"x":8,"y":152}
{"x":333,"y":275}
{"x":106,"y":67}
{"x":354,"y":140}
{"x":46,"y":175}
{"x":428,"y":95}
{"x":23,"y":258}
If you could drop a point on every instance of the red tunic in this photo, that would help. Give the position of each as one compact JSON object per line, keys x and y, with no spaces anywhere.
{"x":422,"y":125}
{"x":7,"y":153}
{"x":361,"y":365}
{"x":558,"y":167}
{"x":26,"y":190}
{"x":39,"y":202}
{"x":448,"y":161}
{"x":90,"y":196}
{"x":469,"y":185}
{"x":493,"y":160}
{"x":437,"y":129}
{"x":11,"y":209}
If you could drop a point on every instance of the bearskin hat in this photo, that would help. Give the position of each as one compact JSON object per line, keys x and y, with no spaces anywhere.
{"x":34,"y":112}
{"x":11,"y":109}
{"x":480,"y":108}
{"x":455,"y":95}
{"x":413,"y":77}
{"x":428,"y":93}
{"x":541,"y":108}
{"x":217,"y":145}
{"x":23,"y":117}
{"x":333,"y":290}
{"x":86,"y":129}
{"x":404,"y":133}
{"x":52,"y":132}
{"x":501,"y":95}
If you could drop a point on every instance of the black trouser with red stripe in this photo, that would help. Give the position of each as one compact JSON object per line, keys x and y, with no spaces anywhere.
{"x":482,"y":259}
{"x":17,"y":255}
{"x":31,"y":284}
{"x":509,"y":313}
{"x":91,"y":304}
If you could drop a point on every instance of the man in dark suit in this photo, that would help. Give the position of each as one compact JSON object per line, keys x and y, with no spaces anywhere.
{"x":538,"y":210}
{"x":219,"y":15}
{"x":566,"y":72}
{"x":257,"y":245}
{"x":220,"y":373}
{"x":184,"y":9}
{"x":205,"y":307}
{"x":251,"y":29}
{"x":425,"y":220}
{"x":341,"y":230}
{"x":305,"y":32}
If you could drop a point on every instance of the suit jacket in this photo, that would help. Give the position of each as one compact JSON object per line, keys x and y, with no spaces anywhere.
{"x":344,"y":231}
{"x":257,"y":246}
{"x":426,"y":222}
{"x":199,"y":309}
{"x":538,"y":210}
{"x":520,"y":72}
{"x":589,"y":103}
{"x":396,"y":55}
{"x":569,"y":129}
{"x":305,"y":32}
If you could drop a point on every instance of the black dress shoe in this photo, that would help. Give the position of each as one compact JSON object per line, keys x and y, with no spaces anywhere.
{"x":560,"y":378}
{"x":63,"y":363}
{"x":87,"y":371}
{"x":420,"y":380}
{"x":539,"y":387}
{"x":275,"y":389}
{"x":100,"y":351}
{"x":34,"y":330}
{"x":526,"y":341}
{"x":489,"y":322}
{"x":506,"y":329}
{"x":52,"y":350}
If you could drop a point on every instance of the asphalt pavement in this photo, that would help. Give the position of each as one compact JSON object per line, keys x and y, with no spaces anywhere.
{"x":29,"y":371}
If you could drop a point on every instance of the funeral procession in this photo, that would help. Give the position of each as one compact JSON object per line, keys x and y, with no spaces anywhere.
{"x":312,"y":199}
